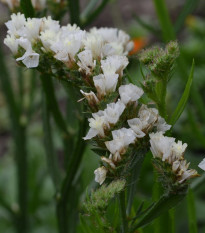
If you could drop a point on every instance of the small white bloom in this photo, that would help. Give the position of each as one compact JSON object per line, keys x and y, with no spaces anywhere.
{"x":162,"y":125}
{"x":178,"y":149}
{"x":100,"y":174}
{"x":97,"y":125}
{"x":30,"y":59}
{"x":86,"y":62}
{"x":32,"y":28}
{"x":114,"y":111}
{"x":137,"y":126}
{"x":67,"y":45}
{"x":130,"y":93}
{"x":48,"y":37}
{"x":50,"y":24}
{"x":112,"y":48}
{"x":114,"y":65}
{"x":121,"y":139}
{"x":148,"y":117}
{"x":202,"y":164}
{"x":161,"y":146}
{"x":105,"y":84}
{"x":95,"y":44}
{"x":114,"y":36}
{"x":16,"y":24}
{"x":12,"y":43}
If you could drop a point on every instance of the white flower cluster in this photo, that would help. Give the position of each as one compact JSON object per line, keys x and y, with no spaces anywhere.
{"x":172,"y":152}
{"x":70,"y":45}
{"x":100,"y":56}
{"x":148,"y":120}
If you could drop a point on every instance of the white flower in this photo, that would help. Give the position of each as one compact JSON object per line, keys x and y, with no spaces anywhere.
{"x":16,"y":25}
{"x":121,"y":139}
{"x":91,"y":97}
{"x":86,"y":62}
{"x":181,"y":170}
{"x":114,"y":111}
{"x":32,"y":28}
{"x":50,"y":24}
{"x":30,"y":59}
{"x":162,"y":125}
{"x":202,"y":164}
{"x":97,"y":125}
{"x":148,"y":117}
{"x":12,"y":43}
{"x":130,"y":93}
{"x":105,"y":83}
{"x":112,"y":48}
{"x":67,"y":45}
{"x":161,"y":146}
{"x":178,"y":149}
{"x":95,"y":44}
{"x":114,"y":64}
{"x":100,"y":174}
{"x":48,"y":37}
{"x":137,"y":126}
{"x":117,"y":37}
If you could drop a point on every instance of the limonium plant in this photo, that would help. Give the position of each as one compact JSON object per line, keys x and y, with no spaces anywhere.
{"x":125,"y":121}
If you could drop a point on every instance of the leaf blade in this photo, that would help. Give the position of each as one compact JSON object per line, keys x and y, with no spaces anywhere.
{"x":182,"y":103}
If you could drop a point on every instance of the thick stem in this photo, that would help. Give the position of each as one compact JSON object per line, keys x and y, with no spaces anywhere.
{"x":124,"y":224}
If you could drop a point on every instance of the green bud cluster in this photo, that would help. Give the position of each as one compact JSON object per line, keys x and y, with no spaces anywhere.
{"x":160,"y":61}
{"x":99,"y":199}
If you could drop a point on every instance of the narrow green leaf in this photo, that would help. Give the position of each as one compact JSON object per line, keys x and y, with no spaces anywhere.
{"x":165,"y":203}
{"x":188,"y":7}
{"x":89,"y":8}
{"x":191,"y":212}
{"x":74,"y":11}
{"x":27,"y":8}
{"x":164,"y":20}
{"x":95,"y":13}
{"x":182,"y":103}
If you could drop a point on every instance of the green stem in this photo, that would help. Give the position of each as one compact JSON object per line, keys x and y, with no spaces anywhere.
{"x":19,"y":134}
{"x":52,"y":160}
{"x":191,"y":212}
{"x":74,"y":11}
{"x":124,"y":224}
{"x":61,"y":208}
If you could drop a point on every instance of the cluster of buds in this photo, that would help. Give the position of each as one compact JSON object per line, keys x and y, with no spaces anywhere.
{"x":120,"y":124}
